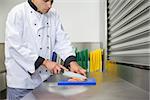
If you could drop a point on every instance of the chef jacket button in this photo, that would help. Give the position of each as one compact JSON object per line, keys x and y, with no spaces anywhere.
{"x":31,"y":11}
{"x":46,"y":70}
{"x":47,"y":23}
{"x":35,"y":24}
{"x":47,"y":35}
{"x":40,"y":48}
{"x":39,"y":71}
{"x":48,"y":47}
{"x":39,"y":35}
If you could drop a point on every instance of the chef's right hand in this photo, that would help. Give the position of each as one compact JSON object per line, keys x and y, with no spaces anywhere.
{"x":53,"y":67}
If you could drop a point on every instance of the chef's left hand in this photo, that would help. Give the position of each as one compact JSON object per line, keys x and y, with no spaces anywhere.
{"x":75,"y":67}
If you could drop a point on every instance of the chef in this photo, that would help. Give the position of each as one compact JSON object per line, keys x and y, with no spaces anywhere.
{"x":33,"y":32}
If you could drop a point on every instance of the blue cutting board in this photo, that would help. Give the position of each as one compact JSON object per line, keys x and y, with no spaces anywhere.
{"x":88,"y":82}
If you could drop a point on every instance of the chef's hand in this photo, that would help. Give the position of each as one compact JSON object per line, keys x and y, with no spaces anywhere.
{"x":53,"y":67}
{"x":74,"y":67}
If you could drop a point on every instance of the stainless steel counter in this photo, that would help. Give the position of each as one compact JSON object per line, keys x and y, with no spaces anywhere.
{"x":109,"y":87}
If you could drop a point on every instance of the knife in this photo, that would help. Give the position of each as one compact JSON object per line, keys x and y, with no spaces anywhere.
{"x":72,"y":74}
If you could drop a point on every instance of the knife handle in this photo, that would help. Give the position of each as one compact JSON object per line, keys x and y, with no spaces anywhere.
{"x":62,"y":70}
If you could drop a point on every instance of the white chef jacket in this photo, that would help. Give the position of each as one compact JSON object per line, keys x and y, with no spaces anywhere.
{"x":29,"y":35}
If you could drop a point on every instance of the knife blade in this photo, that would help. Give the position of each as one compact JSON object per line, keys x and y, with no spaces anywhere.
{"x":72,"y":74}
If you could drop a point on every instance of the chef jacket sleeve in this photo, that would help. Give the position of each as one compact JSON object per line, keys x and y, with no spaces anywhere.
{"x":16,"y":46}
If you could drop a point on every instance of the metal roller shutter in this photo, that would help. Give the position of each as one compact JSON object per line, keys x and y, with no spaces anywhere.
{"x":129,"y":31}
